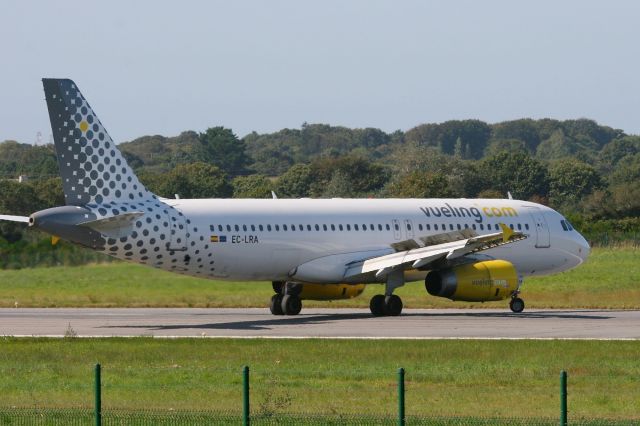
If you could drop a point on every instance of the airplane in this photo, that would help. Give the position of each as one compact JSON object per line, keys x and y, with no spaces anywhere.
{"x":309,"y":249}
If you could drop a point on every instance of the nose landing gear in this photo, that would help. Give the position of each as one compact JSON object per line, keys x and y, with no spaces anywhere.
{"x":516,"y":304}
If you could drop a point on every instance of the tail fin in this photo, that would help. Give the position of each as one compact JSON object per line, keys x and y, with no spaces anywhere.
{"x":93,"y":170}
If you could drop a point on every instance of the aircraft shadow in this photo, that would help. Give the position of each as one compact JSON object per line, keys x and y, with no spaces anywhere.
{"x":328,"y":319}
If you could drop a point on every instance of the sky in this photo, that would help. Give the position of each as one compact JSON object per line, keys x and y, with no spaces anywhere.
{"x":163,"y":67}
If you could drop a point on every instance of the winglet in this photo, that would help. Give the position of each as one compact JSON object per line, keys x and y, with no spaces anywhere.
{"x":506,"y":232}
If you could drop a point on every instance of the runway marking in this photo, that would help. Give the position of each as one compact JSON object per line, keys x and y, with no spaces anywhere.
{"x":142,"y":336}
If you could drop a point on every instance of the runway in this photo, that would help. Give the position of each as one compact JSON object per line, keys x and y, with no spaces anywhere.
{"x":322,"y":323}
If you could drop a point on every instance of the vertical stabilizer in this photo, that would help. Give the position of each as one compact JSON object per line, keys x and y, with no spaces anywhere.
{"x":92,"y":169}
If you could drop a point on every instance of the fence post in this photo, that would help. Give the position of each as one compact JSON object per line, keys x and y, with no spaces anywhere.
{"x":401,"y":416}
{"x":245,"y":396}
{"x":563,"y":398}
{"x":98,"y":391}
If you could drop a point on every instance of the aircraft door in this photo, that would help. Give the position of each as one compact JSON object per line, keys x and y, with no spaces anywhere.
{"x":397,"y":234}
{"x":543,"y":239}
{"x":408,"y":228}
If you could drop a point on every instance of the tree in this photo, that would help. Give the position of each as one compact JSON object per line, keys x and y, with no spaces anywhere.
{"x":420,"y":184}
{"x":364,"y":177}
{"x":516,"y":172}
{"x":571,"y":182}
{"x":295,"y":183}
{"x":254,"y":186}
{"x":16,"y":199}
{"x":223,"y":149}
{"x":197,"y":180}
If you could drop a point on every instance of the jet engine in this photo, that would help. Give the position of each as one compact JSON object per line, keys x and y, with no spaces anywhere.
{"x":330,"y":291}
{"x":474,"y":282}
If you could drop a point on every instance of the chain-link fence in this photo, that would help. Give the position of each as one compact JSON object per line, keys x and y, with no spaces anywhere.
{"x":86,"y":416}
{"x":277,"y":414}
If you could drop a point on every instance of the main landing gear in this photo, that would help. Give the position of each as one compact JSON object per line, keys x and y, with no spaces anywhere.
{"x":286,"y":301}
{"x":388,"y":304}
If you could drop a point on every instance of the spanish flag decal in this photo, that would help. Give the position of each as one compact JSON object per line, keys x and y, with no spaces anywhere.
{"x":218,"y":238}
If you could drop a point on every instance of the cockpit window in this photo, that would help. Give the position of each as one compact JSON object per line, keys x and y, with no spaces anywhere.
{"x":564,"y":225}
{"x":569,"y":225}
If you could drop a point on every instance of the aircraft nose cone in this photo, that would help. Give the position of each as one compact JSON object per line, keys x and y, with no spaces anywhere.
{"x":583,"y":248}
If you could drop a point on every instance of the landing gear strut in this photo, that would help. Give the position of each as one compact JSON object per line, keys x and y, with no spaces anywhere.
{"x":388,"y":304}
{"x":286,"y":301}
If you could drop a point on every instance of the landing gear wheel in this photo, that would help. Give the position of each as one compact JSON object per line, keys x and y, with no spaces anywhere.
{"x":377,"y":305}
{"x":291,"y":304}
{"x":276,"y":304}
{"x":393,"y":305}
{"x":516,"y":305}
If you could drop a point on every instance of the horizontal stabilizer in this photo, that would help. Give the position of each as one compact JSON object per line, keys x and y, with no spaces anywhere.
{"x":24,"y":219}
{"x":114,"y":226}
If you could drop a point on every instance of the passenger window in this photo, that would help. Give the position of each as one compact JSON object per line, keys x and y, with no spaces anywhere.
{"x":451,"y":227}
{"x":388,"y":227}
{"x":482,"y":227}
{"x":340,"y":227}
{"x":293,"y":227}
{"x":324,"y":227}
{"x":308,"y":227}
{"x":379,"y":227}
{"x":497,"y":227}
{"x":356,"y":227}
{"x":364,"y":226}
{"x":220,"y":228}
{"x":419,"y":227}
{"x":284,"y":227}
{"x":459,"y":227}
{"x":277,"y":227}
{"x":244,"y":228}
{"x":466,"y":226}
{"x":371,"y":227}
{"x":396,"y":226}
{"x":333,"y":227}
{"x":511,"y":225}
{"x":260,"y":228}
{"x":212,"y":227}
{"x":428,"y":227}
{"x":519,"y":227}
{"x":253,"y":228}
{"x":237,"y":228}
{"x":348,"y":227}
{"x":269,"y":228}
{"x":408,"y":227}
{"x":473,"y":226}
{"x":228,"y":228}
{"x":526,"y":226}
{"x":435,"y":227}
{"x":317,"y":227}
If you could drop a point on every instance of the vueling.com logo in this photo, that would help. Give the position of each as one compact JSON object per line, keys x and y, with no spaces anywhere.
{"x":475,"y":212}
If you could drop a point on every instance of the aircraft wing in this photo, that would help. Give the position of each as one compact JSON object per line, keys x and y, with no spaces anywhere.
{"x":11,"y":218}
{"x":463,"y":243}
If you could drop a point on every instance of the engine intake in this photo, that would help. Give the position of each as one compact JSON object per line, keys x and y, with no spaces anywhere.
{"x":474,"y":282}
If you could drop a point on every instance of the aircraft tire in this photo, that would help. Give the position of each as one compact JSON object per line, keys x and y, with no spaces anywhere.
{"x":377,"y":305}
{"x":276,"y":304}
{"x":393,"y":305}
{"x":291,"y":304}
{"x":516,"y":305}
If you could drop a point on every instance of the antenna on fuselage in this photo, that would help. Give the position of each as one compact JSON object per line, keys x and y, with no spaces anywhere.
{"x":273,"y":195}
{"x":509,"y":195}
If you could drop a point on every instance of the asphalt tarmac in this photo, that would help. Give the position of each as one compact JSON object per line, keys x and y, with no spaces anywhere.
{"x":322,"y":323}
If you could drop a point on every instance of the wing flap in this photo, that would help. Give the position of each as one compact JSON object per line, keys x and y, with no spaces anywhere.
{"x":424,"y":256}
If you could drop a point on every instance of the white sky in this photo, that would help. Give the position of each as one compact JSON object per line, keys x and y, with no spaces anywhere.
{"x":161,"y":67}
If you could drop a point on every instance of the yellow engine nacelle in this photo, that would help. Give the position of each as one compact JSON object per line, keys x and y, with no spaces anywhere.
{"x":474,"y":282}
{"x":330,"y":291}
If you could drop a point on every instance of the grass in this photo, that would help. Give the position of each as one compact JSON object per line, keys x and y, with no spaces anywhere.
{"x":609,"y":279}
{"x":461,"y":378}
